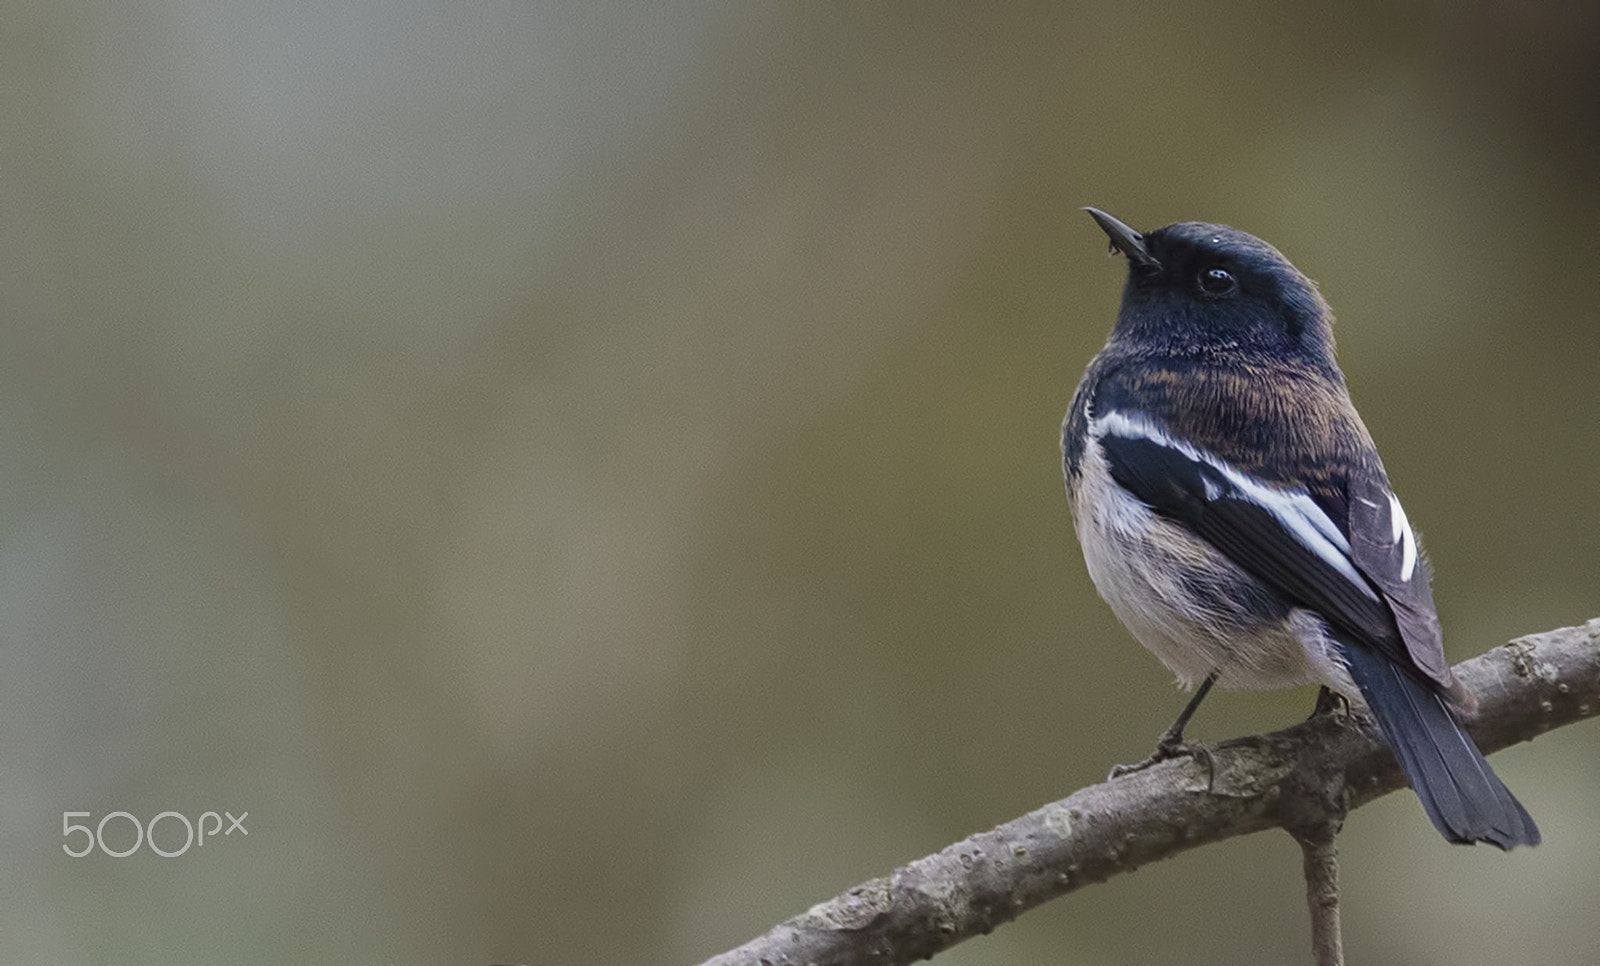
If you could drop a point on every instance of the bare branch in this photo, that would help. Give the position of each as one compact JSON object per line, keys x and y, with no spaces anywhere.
{"x":1322,"y":892}
{"x":1298,"y":779}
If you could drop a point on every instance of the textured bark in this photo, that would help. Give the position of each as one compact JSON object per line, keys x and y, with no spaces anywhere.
{"x":1322,"y":892}
{"x":1301,"y":779}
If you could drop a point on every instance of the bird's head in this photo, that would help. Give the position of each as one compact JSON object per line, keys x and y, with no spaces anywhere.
{"x":1195,"y":288}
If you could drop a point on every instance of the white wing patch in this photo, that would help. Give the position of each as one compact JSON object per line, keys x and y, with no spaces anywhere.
{"x":1402,"y":535}
{"x":1293,"y":509}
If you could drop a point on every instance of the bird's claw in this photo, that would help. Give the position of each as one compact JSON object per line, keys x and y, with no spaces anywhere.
{"x":1331,"y":703}
{"x":1171,"y":746}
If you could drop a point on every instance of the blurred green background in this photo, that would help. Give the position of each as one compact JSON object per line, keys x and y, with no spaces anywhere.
{"x":584,"y":477}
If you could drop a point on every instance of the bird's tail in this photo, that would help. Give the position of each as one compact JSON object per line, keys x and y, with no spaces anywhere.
{"x":1460,"y":792}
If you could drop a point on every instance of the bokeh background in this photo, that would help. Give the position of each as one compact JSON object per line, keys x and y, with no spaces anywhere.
{"x":584,"y":477}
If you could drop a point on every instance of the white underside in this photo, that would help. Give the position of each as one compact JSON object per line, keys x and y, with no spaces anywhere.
{"x":1135,"y":559}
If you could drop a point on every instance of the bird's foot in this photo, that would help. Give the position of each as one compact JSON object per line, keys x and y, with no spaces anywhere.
{"x":1171,"y":746}
{"x":1330,"y":702}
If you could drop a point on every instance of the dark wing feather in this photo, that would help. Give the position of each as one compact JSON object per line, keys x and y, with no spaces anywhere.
{"x":1385,"y":549}
{"x":1194,"y":493}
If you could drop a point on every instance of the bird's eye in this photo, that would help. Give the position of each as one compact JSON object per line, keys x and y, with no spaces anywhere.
{"x":1218,"y":283}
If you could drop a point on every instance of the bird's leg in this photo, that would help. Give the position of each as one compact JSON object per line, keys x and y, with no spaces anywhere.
{"x":1172,"y":744}
{"x":1172,"y":740}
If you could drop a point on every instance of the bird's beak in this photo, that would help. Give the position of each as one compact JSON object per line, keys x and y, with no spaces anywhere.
{"x":1124,"y":239}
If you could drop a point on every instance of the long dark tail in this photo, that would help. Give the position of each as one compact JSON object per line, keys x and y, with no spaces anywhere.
{"x":1460,"y":792}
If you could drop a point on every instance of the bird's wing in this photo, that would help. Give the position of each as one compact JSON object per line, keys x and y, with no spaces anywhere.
{"x":1284,"y":538}
{"x":1385,"y":549}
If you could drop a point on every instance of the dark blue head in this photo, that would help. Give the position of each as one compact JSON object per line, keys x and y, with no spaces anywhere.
{"x":1195,"y":288}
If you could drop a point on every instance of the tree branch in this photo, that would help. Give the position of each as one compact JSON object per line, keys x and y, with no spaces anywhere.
{"x":1322,"y":891}
{"x":1298,"y":779}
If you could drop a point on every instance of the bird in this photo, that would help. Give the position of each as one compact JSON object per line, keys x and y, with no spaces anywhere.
{"x":1235,"y":515}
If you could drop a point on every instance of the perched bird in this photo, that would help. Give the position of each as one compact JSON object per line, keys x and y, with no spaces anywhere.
{"x":1234,"y":513}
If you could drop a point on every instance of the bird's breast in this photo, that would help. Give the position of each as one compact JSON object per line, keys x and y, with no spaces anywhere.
{"x":1180,"y":597}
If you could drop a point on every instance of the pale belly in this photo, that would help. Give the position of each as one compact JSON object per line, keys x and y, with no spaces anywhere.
{"x":1187,"y":603}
